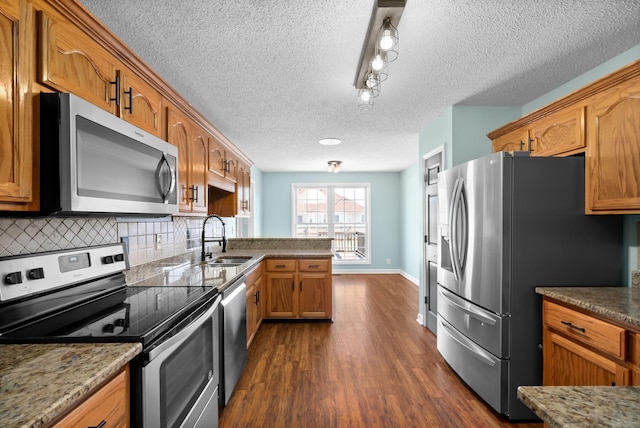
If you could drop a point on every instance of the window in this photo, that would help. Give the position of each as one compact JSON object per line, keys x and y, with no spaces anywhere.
{"x":340,"y":211}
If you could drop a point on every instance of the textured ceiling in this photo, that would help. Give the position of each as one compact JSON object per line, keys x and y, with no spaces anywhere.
{"x":275,"y":76}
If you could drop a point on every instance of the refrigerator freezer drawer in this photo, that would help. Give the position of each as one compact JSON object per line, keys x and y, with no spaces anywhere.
{"x":482,"y":371}
{"x":489,"y":330}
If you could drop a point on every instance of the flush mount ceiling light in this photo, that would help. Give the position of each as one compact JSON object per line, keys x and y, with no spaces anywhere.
{"x":379,"y":49}
{"x":330,"y":141}
{"x":334,"y":166}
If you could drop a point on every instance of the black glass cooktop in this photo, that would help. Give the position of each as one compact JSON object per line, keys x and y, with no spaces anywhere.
{"x":123,"y":314}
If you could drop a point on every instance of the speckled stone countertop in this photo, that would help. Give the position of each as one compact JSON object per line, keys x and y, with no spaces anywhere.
{"x":618,"y":303}
{"x":584,"y":406}
{"x":39,"y":382}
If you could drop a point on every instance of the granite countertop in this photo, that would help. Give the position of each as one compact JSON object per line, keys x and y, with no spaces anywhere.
{"x":618,"y":303}
{"x":39,"y":382}
{"x":584,"y":406}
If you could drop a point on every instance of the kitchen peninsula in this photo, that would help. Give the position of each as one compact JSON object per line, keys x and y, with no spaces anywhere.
{"x":600,"y":330}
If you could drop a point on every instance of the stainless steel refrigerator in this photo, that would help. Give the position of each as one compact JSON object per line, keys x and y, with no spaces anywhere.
{"x":509,"y":223}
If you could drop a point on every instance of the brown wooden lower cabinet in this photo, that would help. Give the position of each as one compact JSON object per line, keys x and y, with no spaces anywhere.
{"x":582,"y":349}
{"x":254,"y":302}
{"x":108,"y":406}
{"x":298,"y":288}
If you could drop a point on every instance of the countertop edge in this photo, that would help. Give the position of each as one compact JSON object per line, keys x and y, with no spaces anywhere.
{"x":616,"y":303}
{"x":22,"y":373}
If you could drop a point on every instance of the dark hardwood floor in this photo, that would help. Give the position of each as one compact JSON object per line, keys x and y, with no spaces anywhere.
{"x":375,"y":366}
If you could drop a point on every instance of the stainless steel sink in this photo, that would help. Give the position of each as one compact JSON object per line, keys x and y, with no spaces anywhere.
{"x":231,"y":260}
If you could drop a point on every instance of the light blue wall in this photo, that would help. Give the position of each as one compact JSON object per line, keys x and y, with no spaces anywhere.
{"x":386,"y":196}
{"x":411,"y":222}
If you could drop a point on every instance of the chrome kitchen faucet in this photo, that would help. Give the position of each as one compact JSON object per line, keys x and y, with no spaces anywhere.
{"x":221,"y":240}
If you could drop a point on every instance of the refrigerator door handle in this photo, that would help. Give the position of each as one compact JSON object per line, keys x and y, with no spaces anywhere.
{"x":458,"y":229}
{"x":464,"y":220}
{"x":477,"y":352}
{"x":453,"y":230}
{"x":473,"y":313}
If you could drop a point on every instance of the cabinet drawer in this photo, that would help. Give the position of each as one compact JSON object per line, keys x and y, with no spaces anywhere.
{"x":281,"y":265}
{"x":606,"y":337}
{"x":109,"y":404}
{"x":634,"y":352}
{"x":314,"y":265}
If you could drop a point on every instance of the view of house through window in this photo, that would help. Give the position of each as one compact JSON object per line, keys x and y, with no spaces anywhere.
{"x":340,"y":211}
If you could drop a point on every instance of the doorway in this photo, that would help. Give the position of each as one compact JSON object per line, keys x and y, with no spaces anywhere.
{"x":433,"y":164}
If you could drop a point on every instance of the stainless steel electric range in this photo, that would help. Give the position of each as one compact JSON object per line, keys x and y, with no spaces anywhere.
{"x":80,"y":295}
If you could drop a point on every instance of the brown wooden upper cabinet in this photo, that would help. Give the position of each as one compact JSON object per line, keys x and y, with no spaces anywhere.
{"x":517,"y":140}
{"x":192,"y":144}
{"x":613,"y":153}
{"x":71,"y":61}
{"x":601,"y":120}
{"x":221,"y":162}
{"x":243,"y":189}
{"x":18,"y":166}
{"x":559,"y":133}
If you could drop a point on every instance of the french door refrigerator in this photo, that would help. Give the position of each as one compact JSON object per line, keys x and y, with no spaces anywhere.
{"x":509,"y":223}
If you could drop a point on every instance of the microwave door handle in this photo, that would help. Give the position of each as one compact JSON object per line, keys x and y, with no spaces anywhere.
{"x":164,"y":161}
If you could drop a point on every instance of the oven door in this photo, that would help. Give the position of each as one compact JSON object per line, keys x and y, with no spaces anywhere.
{"x":180,"y":380}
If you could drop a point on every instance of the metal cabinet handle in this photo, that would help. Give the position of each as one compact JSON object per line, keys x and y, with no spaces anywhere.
{"x":130,"y":93}
{"x":575,"y":327}
{"x":194,"y":193}
{"x":116,"y":83}
{"x":281,"y":266}
{"x":100,"y":425}
{"x":314,"y":266}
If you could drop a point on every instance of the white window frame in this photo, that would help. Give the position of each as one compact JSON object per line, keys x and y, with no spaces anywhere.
{"x":331,"y":215}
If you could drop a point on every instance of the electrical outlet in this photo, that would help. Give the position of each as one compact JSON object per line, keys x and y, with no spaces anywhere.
{"x":158,"y":241}
{"x":388,"y":261}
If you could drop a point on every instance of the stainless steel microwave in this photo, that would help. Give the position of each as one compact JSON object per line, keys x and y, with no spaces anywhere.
{"x":92,"y":162}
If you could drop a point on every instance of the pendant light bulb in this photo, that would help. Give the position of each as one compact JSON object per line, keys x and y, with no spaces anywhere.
{"x":365,"y":96}
{"x":377,"y":63}
{"x":386,"y":40}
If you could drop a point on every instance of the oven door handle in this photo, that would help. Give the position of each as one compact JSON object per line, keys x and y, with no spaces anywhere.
{"x":183,"y":334}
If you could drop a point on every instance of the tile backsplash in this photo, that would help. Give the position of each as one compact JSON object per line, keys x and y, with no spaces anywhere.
{"x":148,"y":239}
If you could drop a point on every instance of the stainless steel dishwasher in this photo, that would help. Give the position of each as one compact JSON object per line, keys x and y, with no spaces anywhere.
{"x":233,"y":337}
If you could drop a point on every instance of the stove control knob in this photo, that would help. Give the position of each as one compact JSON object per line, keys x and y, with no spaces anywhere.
{"x":108,"y":328}
{"x":107,"y":260}
{"x":37,"y":273}
{"x":119,"y":257}
{"x":13,"y":278}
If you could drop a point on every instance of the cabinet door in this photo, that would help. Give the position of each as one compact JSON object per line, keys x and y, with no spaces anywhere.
{"x":178,"y":135}
{"x":216,"y":163}
{"x":243,"y":189}
{"x":567,"y":363}
{"x":18,"y":171}
{"x":108,"y":407}
{"x":314,"y":296}
{"x":613,"y":150}
{"x":517,"y":140}
{"x":140,"y":104}
{"x":199,"y":148}
{"x":70,"y":61}
{"x":561,"y":132}
{"x":281,"y":295}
